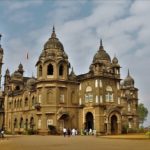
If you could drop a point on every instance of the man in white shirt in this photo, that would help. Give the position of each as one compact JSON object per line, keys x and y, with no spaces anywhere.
{"x":64,"y":131}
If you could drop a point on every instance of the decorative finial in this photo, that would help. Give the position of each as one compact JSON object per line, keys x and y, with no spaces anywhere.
{"x":53,"y":35}
{"x":53,"y":28}
{"x":101,"y":44}
{"x":128,"y":72}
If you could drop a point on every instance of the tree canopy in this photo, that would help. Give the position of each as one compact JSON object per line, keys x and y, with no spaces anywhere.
{"x":142,"y":112}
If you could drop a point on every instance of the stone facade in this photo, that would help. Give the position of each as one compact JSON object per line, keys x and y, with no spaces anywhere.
{"x":96,"y":100}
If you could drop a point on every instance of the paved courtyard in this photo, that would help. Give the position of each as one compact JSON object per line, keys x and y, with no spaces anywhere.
{"x":71,"y":143}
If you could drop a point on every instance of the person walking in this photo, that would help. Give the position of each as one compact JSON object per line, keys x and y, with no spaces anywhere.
{"x":2,"y":133}
{"x":64,"y":131}
{"x":68,"y":132}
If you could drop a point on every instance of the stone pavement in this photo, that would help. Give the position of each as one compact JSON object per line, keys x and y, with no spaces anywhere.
{"x":37,"y":142}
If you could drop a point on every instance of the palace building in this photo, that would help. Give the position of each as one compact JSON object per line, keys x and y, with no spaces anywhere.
{"x":59,"y":98}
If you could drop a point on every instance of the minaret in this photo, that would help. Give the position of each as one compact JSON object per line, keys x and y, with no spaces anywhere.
{"x":1,"y":59}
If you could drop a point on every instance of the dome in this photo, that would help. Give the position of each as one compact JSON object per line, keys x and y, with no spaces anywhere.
{"x":128,"y":81}
{"x":53,"y":42}
{"x":115,"y":60}
{"x":20,"y":69}
{"x":16,"y":74}
{"x":31,"y":83}
{"x":101,"y":55}
{"x":20,"y":66}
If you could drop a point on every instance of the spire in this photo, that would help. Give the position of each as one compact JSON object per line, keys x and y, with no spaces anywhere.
{"x":7,"y":72}
{"x":101,"y":45}
{"x":53,"y":35}
{"x":128,"y":72}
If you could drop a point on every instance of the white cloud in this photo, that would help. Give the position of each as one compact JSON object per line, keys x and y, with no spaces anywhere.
{"x":17,"y":5}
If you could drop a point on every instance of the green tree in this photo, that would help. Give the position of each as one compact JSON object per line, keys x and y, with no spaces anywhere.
{"x":142,"y":112}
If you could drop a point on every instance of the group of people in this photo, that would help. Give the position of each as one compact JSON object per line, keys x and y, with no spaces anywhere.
{"x":88,"y":132}
{"x":68,"y":132}
{"x":1,"y":133}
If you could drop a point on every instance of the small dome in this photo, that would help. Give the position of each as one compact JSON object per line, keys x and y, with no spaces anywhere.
{"x":101,"y":55}
{"x":20,"y":66}
{"x":128,"y":81}
{"x":53,"y":42}
{"x":20,"y":69}
{"x":115,"y":60}
{"x":16,"y":74}
{"x":7,"y":72}
{"x":31,"y":81}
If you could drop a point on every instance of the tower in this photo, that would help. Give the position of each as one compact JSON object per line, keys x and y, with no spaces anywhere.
{"x":1,"y":59}
{"x":1,"y":93}
{"x":53,"y":62}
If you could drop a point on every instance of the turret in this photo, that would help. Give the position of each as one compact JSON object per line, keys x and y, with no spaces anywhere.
{"x":20,"y":69}
{"x":53,"y":62}
{"x":115,"y":66}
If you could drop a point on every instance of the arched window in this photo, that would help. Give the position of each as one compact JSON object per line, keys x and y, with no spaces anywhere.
{"x":21,"y":122}
{"x":26,"y":102}
{"x":33,"y":101}
{"x":61,"y":69}
{"x":31,"y":122}
{"x":88,"y":94}
{"x":15,"y":123}
{"x":40,"y":71}
{"x":50,"y":69}
{"x":26,"y":124}
{"x":109,"y":94}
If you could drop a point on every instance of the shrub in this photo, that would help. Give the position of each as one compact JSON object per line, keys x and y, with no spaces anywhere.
{"x":125,"y":128}
{"x":132,"y":130}
{"x":32,"y":132}
{"x":148,"y":134}
{"x":52,"y":130}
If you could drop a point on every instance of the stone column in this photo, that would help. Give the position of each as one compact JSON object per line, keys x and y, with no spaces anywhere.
{"x":108,"y":128}
{"x":119,"y":127}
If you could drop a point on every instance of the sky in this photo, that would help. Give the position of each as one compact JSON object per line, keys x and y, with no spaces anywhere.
{"x":124,"y":26}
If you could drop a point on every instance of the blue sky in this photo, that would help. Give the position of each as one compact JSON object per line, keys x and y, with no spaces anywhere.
{"x":123,"y":25}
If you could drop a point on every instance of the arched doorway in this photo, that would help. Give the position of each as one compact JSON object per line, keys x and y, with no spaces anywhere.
{"x":114,"y":125}
{"x":31,"y":123}
{"x":89,"y":124}
{"x":63,"y":119}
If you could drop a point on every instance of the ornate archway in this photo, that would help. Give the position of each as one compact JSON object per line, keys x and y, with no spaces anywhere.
{"x":114,"y":124}
{"x":89,"y":124}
